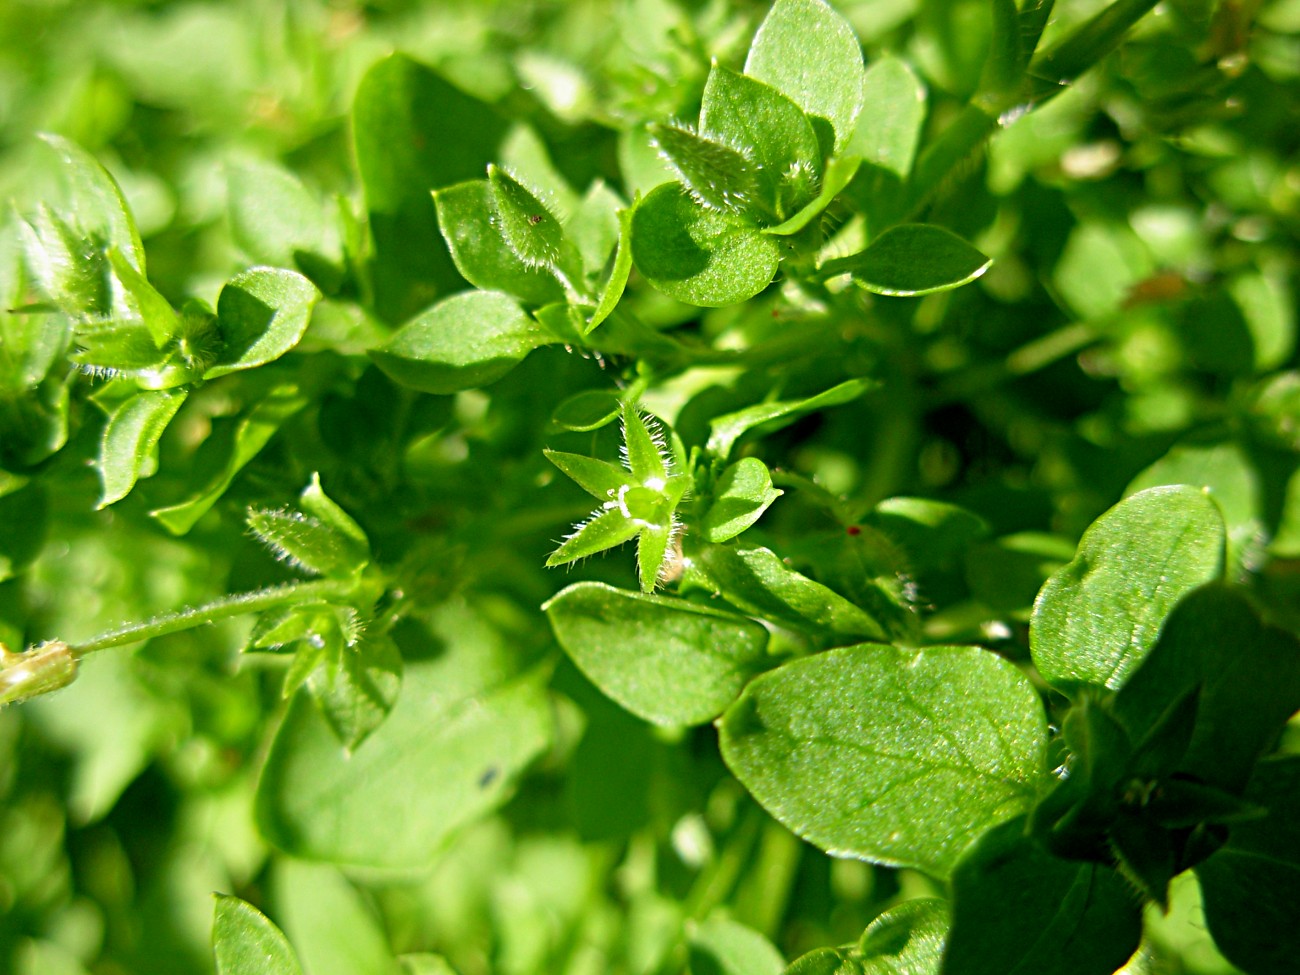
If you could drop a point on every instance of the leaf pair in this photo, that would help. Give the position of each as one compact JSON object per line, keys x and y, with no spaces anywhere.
{"x":756,"y":167}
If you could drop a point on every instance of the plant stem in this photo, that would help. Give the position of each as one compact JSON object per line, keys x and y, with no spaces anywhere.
{"x":238,"y":605}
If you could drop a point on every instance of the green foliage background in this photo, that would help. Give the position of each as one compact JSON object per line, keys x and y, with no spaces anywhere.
{"x":1136,"y":329}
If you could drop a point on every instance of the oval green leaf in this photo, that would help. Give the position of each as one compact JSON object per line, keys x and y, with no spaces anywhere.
{"x":468,"y":340}
{"x":666,"y":660}
{"x":913,"y":259}
{"x":698,"y":255}
{"x":808,"y":51}
{"x":1097,"y":618}
{"x":245,"y":942}
{"x":900,"y":757}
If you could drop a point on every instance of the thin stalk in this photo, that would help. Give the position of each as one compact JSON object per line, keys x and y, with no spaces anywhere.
{"x":186,"y":619}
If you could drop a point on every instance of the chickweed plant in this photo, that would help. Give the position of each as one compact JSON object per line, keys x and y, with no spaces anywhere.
{"x":646,"y":487}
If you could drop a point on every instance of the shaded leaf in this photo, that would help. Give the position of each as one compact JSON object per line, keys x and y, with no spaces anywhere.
{"x":466,"y":719}
{"x":413,"y":132}
{"x":247,"y":436}
{"x":1253,"y":883}
{"x":725,"y":430}
{"x":698,"y":255}
{"x":1018,"y":910}
{"x":261,"y":315}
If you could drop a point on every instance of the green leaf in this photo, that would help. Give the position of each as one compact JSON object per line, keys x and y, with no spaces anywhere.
{"x":247,"y":436}
{"x":698,"y":255}
{"x":465,"y":341}
{"x":612,"y":290}
{"x":742,"y":493}
{"x":825,"y":961}
{"x":307,"y":543}
{"x":594,"y":228}
{"x":901,"y":757}
{"x":893,"y":112}
{"x":314,"y":501}
{"x":1086,"y":45}
{"x":273,"y":216}
{"x":129,"y":448}
{"x":261,"y":315}
{"x":96,"y":200}
{"x":66,"y":265}
{"x":906,"y":940}
{"x":336,"y":929}
{"x":356,"y":686}
{"x":725,"y":430}
{"x":467,"y":219}
{"x":778,"y":141}
{"x":808,"y":51}
{"x":1097,"y":618}
{"x":1001,"y":82}
{"x":1225,"y":471}
{"x":465,"y":720}
{"x":602,"y":480}
{"x":1246,"y":677}
{"x":586,"y":411}
{"x":759,"y":582}
{"x":721,"y":946}
{"x":608,"y":529}
{"x":718,"y":174}
{"x":528,"y":226}
{"x":1253,"y":883}
{"x":1019,"y":910}
{"x":245,"y":942}
{"x":414,"y":131}
{"x":157,"y":314}
{"x":912,"y":259}
{"x":666,"y":660}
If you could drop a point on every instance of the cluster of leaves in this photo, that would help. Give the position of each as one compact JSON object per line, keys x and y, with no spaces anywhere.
{"x":973,"y":572}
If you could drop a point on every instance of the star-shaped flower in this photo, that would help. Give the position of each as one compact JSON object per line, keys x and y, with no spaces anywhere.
{"x":637,"y":502}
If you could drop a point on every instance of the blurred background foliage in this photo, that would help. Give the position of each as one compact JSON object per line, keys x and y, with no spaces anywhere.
{"x":1138,"y":327}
